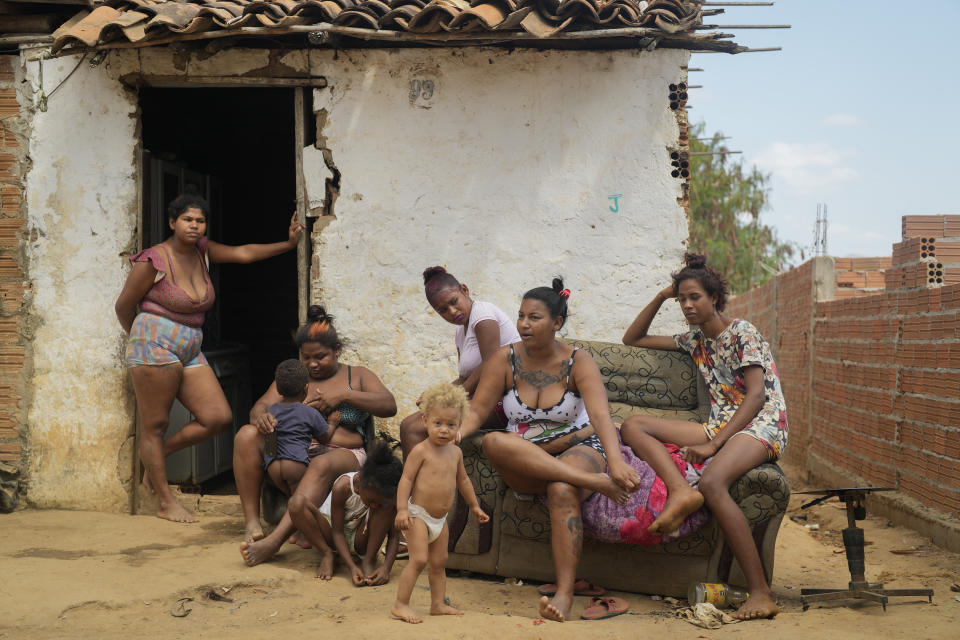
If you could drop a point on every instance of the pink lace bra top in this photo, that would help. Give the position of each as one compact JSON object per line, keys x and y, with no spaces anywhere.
{"x":165,"y":298}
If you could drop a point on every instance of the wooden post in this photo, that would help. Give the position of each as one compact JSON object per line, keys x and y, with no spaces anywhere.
{"x":303,"y":248}
{"x":135,"y":457}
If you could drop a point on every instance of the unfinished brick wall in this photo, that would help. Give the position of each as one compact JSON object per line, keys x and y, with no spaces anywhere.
{"x":887,"y":392}
{"x":11,"y":275}
{"x":875,"y":395}
{"x":859,"y":276}
{"x":782,"y":309}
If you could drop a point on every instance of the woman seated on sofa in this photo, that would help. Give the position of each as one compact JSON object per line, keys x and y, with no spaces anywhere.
{"x":346,"y":395}
{"x":482,"y":328}
{"x":745,"y":400}
{"x":560,"y":439}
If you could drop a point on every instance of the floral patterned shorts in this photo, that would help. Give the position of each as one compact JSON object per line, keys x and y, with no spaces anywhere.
{"x":773,"y":436}
{"x":156,"y":341}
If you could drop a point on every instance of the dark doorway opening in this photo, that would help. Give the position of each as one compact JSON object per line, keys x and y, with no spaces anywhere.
{"x":236,"y":146}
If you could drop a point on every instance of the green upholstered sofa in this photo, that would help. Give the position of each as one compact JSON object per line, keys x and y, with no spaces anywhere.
{"x":516,"y":541}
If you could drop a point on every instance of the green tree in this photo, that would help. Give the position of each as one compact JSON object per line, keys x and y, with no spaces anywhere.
{"x":726,"y":199}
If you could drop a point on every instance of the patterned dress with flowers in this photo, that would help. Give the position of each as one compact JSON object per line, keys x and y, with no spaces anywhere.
{"x":721,"y":361}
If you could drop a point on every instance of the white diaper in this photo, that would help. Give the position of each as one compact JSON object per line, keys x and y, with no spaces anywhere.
{"x":434,"y":525}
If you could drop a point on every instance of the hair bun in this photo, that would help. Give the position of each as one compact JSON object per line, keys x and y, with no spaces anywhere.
{"x":379,"y":451}
{"x":695,"y":260}
{"x":557,"y":285}
{"x":316,"y":313}
{"x":432,"y":272}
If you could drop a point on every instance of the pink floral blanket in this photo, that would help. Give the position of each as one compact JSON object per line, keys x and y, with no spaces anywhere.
{"x":607,"y":521}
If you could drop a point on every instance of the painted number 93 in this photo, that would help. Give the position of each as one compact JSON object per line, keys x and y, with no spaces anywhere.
{"x":421,"y":89}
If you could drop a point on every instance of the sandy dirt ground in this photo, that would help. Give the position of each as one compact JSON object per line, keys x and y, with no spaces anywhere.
{"x":66,"y":574}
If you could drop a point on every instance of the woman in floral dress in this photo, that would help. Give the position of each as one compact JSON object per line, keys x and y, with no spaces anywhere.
{"x":745,"y":400}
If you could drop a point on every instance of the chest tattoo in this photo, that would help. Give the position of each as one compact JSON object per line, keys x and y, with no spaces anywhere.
{"x":538,"y":378}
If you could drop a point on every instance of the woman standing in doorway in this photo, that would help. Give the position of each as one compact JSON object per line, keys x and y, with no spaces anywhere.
{"x":162,"y":306}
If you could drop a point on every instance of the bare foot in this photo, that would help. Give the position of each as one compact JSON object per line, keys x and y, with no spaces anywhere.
{"x":758,"y":605}
{"x":680,"y":504}
{"x":175,"y":512}
{"x":443,"y":609}
{"x":405,"y":613}
{"x":557,"y":609}
{"x":254,"y":531}
{"x":256,"y":552}
{"x":611,"y":489}
{"x":298,"y":539}
{"x":325,"y":569}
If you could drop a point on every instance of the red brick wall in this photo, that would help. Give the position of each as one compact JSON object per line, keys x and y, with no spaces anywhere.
{"x":782,"y":309}
{"x":876,"y":392}
{"x":759,"y":306}
{"x":11,"y":276}
{"x":887,"y":401}
{"x":859,"y":276}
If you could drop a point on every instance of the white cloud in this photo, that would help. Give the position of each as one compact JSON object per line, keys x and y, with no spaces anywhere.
{"x":842,"y":120}
{"x":808,"y":167}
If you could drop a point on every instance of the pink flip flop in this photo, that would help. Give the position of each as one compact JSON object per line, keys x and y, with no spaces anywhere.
{"x":601,"y":608}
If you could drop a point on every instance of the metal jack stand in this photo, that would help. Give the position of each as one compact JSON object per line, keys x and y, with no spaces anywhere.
{"x":853,"y":544}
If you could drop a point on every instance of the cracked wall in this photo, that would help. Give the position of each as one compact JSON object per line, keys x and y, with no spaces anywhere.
{"x":82,"y":217}
{"x":82,"y":210}
{"x":500,"y":165}
{"x":506,"y":167}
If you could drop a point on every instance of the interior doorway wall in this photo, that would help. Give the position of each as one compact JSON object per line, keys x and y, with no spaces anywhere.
{"x":236,"y":146}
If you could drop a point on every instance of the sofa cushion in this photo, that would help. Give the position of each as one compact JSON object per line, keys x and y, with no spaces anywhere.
{"x":620,"y":411}
{"x":644,"y":377}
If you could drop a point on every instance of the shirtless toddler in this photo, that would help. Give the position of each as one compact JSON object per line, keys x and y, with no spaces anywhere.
{"x":431,"y":475}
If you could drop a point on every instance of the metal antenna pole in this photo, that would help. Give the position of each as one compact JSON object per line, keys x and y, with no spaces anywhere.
{"x":816,"y":233}
{"x":820,"y":231}
{"x":824,"y":229}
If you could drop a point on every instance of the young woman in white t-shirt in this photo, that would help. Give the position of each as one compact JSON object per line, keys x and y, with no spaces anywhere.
{"x":482,"y":328}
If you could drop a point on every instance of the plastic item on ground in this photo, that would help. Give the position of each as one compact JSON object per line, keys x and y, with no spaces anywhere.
{"x":716,"y":593}
{"x":705,"y":615}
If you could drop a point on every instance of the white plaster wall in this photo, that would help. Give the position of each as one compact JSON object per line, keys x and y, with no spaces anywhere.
{"x":82,"y":208}
{"x":81,"y":204}
{"x":503,"y":176}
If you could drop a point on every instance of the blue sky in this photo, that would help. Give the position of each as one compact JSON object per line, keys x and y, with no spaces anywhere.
{"x":858,"y":111}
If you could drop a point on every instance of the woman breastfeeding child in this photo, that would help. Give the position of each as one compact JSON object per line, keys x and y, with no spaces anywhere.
{"x":347,"y":395}
{"x":358,"y":513}
{"x":745,"y":400}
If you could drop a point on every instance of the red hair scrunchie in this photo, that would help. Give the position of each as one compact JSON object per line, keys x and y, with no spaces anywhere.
{"x":565,"y":294}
